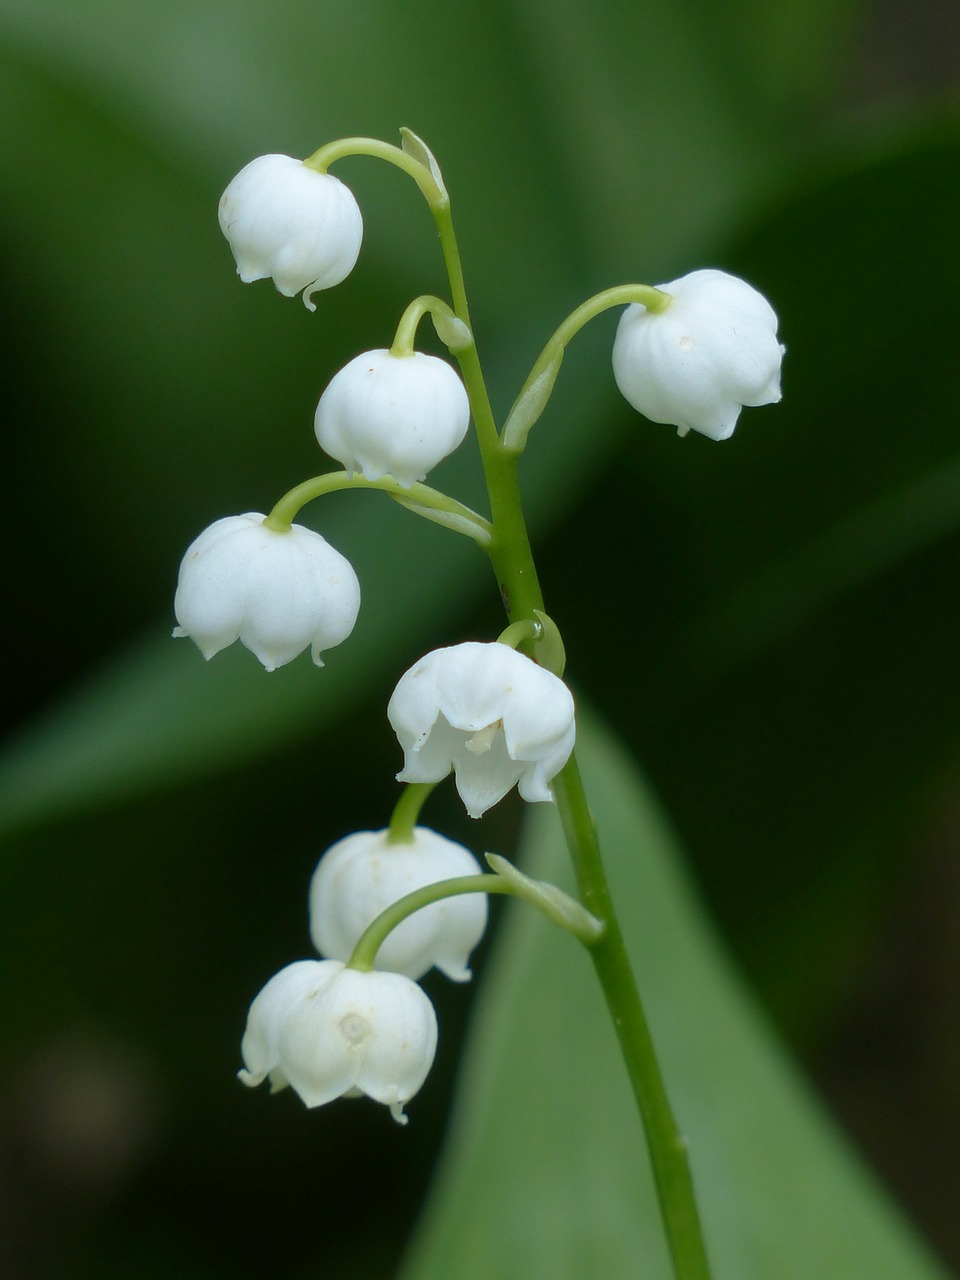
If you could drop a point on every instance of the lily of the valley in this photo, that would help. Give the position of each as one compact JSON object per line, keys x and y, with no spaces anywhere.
{"x":287,"y":221}
{"x":276,"y":592}
{"x":710,"y":351}
{"x":363,"y":874}
{"x":397,"y":415}
{"x":490,"y":714}
{"x":331,"y":1032}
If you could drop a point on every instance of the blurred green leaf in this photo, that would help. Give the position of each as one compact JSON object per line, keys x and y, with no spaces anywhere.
{"x":546,"y":1173}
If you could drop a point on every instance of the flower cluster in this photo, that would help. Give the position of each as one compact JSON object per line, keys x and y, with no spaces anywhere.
{"x":496,"y":719}
{"x":382,"y":913}
{"x":329,"y":1030}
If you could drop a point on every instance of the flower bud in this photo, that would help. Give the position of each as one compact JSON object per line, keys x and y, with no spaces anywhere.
{"x":490,"y":714}
{"x":275,"y":592}
{"x":392,"y":415}
{"x":709,"y":352}
{"x":331,"y":1032}
{"x":365,"y":873}
{"x":286,"y":220}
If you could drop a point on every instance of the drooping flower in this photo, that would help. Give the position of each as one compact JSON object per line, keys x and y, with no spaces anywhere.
{"x":287,"y":221}
{"x":489,"y":713}
{"x":709,"y":352}
{"x":275,"y":592}
{"x":363,"y":874}
{"x":331,"y":1032}
{"x":384,"y":414}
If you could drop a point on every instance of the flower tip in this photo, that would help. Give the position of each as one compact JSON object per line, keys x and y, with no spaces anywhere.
{"x":398,"y":1113}
{"x":207,"y":651}
{"x":456,"y":973}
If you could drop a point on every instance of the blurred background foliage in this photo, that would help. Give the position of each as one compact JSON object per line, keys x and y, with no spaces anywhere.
{"x":770,"y":625}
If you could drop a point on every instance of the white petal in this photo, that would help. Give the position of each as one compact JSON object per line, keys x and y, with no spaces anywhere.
{"x":285,"y":220}
{"x":482,"y":781}
{"x":454,"y":698}
{"x":364,"y":873}
{"x":395,"y":1060}
{"x":694,"y":364}
{"x":392,"y":415}
{"x":278,"y":592}
{"x":259,"y":1047}
{"x":375,"y":1032}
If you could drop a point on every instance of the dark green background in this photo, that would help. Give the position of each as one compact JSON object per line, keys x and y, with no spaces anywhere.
{"x":770,"y":624}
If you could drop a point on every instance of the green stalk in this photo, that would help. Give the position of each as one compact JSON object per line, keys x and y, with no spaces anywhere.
{"x":418,"y":496}
{"x":512,"y":558}
{"x":373,"y":937}
{"x":668,"y":1147}
{"x":322,"y":160}
{"x":406,"y":335}
{"x":620,"y":295}
{"x":407,"y":811}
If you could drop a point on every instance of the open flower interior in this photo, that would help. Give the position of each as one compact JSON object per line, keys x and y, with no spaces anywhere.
{"x":488,"y":713}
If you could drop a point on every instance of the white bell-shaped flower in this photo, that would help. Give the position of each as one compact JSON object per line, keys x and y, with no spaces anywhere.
{"x":489,"y":713}
{"x":392,"y":415}
{"x":365,"y":873}
{"x":331,"y":1032}
{"x":287,"y":221}
{"x":275,"y":592}
{"x":695,"y":364}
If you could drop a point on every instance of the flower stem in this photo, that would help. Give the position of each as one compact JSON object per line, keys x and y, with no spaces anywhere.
{"x":668,"y":1147}
{"x":538,"y":387}
{"x":514,"y":634}
{"x":373,"y":937}
{"x":406,"y":812}
{"x":417,"y":497}
{"x":442,"y":316}
{"x":512,"y":558}
{"x":332,"y":151}
{"x":552,"y":902}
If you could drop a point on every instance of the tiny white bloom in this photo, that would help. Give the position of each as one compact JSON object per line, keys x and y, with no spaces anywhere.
{"x":275,"y":592}
{"x":695,"y":364}
{"x":286,"y":220}
{"x":489,"y":713}
{"x":331,"y":1032}
{"x":363,"y":874}
{"x":393,"y":415}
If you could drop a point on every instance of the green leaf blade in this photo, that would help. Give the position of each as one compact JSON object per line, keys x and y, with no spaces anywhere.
{"x":547,"y":1174}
